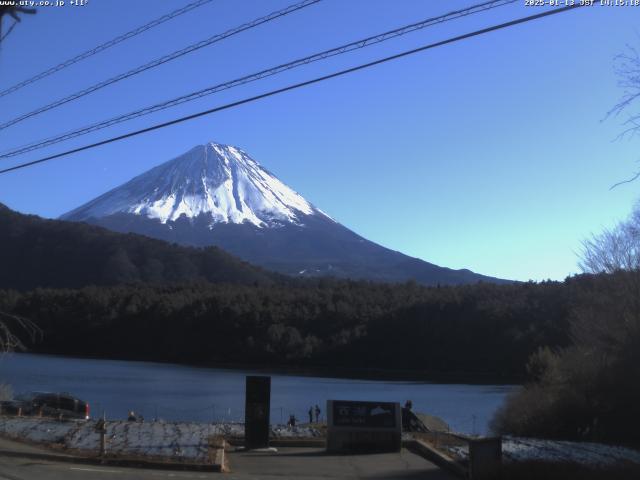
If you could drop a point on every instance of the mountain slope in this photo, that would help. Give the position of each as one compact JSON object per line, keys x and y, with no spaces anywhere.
{"x":35,"y":252}
{"x":218,"y":195}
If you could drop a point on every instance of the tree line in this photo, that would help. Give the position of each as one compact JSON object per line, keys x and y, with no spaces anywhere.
{"x":476,"y":331}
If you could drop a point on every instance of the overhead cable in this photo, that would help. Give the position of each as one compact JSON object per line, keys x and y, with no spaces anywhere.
{"x":104,"y":46}
{"x":358,"y":44}
{"x":295,"y":86}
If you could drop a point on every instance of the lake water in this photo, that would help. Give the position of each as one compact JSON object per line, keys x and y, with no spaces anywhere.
{"x":185,"y":393}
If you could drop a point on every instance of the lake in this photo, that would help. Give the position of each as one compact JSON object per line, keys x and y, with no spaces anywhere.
{"x":186,"y":393}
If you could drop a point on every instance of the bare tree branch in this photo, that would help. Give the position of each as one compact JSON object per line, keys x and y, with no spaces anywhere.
{"x":630,"y":180}
{"x":627,"y":69}
{"x":13,"y":11}
{"x":9,"y":324}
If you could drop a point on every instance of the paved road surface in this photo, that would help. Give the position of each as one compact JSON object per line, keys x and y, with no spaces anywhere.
{"x":315,"y":464}
{"x":27,"y":469}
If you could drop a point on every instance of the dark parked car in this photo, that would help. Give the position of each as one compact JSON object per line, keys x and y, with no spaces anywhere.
{"x":59,"y":405}
{"x":10,"y":407}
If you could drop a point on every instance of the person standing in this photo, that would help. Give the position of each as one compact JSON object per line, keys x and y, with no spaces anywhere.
{"x":317,"y":414}
{"x":310,"y":414}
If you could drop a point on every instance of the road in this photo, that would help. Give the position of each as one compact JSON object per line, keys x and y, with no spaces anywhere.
{"x":28,"y":469}
{"x":315,"y":464}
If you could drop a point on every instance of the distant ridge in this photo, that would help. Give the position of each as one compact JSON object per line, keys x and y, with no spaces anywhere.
{"x":35,"y":252}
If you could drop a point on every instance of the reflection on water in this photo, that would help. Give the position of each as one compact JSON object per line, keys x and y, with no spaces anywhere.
{"x":175,"y":392}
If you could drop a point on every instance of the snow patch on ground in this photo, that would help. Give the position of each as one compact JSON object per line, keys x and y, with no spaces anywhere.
{"x":516,"y":449}
{"x":177,"y":440}
{"x":37,"y":431}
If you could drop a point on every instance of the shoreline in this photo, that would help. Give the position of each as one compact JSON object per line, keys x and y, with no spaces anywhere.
{"x":375,"y":374}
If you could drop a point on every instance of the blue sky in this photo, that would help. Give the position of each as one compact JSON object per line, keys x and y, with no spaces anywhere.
{"x":489,"y":154}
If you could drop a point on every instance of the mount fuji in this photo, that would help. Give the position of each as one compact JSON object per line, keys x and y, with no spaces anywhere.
{"x":218,"y":195}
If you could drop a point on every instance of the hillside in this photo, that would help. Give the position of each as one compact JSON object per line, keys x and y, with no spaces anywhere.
{"x":35,"y":252}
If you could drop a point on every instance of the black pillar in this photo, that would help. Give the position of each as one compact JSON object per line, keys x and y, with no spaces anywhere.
{"x":256,"y":412}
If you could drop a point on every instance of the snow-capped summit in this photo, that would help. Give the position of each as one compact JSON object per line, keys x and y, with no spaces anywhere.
{"x":219,"y":180}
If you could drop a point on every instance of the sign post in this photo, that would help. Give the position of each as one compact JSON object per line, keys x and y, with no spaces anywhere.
{"x":256,"y":412}
{"x":101,"y":428}
{"x":485,"y":458}
{"x":363,"y":426}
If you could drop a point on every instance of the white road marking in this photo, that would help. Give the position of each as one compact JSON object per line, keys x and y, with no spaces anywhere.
{"x":159,"y":474}
{"x":95,"y":470}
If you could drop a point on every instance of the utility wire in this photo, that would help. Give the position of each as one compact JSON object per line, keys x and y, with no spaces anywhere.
{"x":106,"y":45}
{"x":260,"y":75}
{"x":295,"y":86}
{"x":164,"y":59}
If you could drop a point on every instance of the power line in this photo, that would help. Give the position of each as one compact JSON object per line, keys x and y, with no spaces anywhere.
{"x":106,"y":45}
{"x":297,"y":85}
{"x":164,"y":59}
{"x":366,"y":42}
